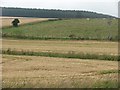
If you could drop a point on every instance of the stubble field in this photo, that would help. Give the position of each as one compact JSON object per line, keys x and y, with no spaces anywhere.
{"x":46,"y":72}
{"x":57,"y":46}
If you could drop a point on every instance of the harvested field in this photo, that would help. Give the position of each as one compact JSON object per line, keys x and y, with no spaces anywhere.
{"x":6,"y":21}
{"x":93,"y":47}
{"x":36,"y":72}
{"x":62,"y":53}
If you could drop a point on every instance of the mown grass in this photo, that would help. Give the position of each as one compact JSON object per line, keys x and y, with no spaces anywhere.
{"x":63,"y":55}
{"x":76,"y":29}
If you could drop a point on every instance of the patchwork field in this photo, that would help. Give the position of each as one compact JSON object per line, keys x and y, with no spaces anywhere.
{"x":61,"y":53}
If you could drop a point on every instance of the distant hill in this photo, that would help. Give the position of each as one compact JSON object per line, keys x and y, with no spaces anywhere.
{"x":50,"y":13}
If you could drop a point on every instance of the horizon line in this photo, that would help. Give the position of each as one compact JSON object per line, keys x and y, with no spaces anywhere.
{"x":61,"y":10}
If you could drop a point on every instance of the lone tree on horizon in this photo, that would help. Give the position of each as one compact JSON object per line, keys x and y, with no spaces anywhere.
{"x":15,"y":22}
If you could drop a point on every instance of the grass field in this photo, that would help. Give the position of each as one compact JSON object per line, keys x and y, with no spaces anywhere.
{"x":98,"y":29}
{"x":67,"y":53}
{"x":36,"y":72}
{"x":6,"y":21}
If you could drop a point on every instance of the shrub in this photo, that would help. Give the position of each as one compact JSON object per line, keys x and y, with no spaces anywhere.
{"x":72,"y":36}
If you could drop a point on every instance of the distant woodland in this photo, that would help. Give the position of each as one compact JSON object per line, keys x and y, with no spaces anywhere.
{"x":50,"y":13}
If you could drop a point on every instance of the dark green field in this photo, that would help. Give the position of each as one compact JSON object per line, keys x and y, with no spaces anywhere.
{"x":80,"y":29}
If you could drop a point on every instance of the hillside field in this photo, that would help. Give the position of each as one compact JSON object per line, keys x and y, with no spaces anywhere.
{"x":61,"y":53}
{"x":95,"y":29}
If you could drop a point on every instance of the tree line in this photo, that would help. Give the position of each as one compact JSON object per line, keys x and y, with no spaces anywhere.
{"x":50,"y":13}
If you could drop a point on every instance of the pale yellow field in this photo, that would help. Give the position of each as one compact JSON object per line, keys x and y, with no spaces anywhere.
{"x":36,"y":72}
{"x":6,"y":21}
{"x":93,"y":47}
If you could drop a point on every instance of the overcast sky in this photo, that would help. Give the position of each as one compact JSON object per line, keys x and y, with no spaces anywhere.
{"x":101,"y":6}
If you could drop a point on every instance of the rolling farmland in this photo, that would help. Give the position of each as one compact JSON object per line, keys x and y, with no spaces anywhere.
{"x":42,"y":72}
{"x":49,"y":54}
{"x":78,"y":29}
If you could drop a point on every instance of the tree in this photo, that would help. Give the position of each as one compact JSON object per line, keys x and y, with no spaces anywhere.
{"x":15,"y":22}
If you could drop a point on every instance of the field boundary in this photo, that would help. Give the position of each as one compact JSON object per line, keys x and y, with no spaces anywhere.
{"x":61,"y":55}
{"x":6,"y":36}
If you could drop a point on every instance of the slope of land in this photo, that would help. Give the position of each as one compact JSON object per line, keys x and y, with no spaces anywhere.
{"x":69,"y":53}
{"x":79,"y":29}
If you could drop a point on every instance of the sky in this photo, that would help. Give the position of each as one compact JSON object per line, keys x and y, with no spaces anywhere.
{"x":109,"y":7}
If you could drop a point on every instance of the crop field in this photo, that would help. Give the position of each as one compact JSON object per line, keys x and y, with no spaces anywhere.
{"x":79,"y":29}
{"x":42,"y":72}
{"x":61,"y":53}
{"x":6,"y":21}
{"x":98,"y":47}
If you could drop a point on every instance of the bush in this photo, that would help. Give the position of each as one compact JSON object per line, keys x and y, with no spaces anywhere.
{"x":72,"y":36}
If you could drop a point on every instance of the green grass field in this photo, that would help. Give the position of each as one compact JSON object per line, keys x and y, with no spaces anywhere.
{"x":97,"y":29}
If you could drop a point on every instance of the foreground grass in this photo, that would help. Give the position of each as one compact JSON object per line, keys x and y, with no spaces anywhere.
{"x":71,"y":29}
{"x":67,"y":83}
{"x":61,"y":55}
{"x":48,"y":72}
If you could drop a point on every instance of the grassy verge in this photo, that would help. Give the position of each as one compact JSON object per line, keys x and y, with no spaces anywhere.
{"x":61,"y":55}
